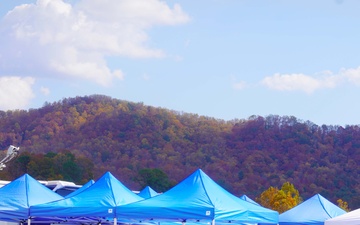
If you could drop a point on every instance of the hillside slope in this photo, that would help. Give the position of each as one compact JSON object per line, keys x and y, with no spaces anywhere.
{"x":244,"y":156}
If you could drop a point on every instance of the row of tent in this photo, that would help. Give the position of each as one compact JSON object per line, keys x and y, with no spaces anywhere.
{"x":197,"y":199}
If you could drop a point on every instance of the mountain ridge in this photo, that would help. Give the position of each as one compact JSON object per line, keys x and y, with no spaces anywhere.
{"x":245,"y":156}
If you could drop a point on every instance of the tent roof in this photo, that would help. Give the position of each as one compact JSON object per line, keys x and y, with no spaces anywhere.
{"x":197,"y":197}
{"x":17,"y":196}
{"x":313,"y":211}
{"x":98,"y":200}
{"x":84,"y":187}
{"x":246,"y":198}
{"x":147,"y":192}
{"x":350,"y":218}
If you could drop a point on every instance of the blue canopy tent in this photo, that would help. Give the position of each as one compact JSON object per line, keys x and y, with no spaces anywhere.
{"x":84,"y":187}
{"x":98,"y":202}
{"x":196,"y":199}
{"x":313,"y":211}
{"x":246,"y":198}
{"x":18,"y":196}
{"x":147,"y":192}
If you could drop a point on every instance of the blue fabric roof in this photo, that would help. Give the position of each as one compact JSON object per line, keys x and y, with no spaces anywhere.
{"x":98,"y":200}
{"x":84,"y":187}
{"x":313,"y":211}
{"x":197,"y":197}
{"x":246,"y":198}
{"x":147,"y":192}
{"x":17,"y":197}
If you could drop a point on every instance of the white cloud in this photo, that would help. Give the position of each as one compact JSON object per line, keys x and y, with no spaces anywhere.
{"x":134,"y":13}
{"x":291,"y":82}
{"x":15,"y":92}
{"x":57,"y":38}
{"x":119,"y":74}
{"x":239,"y":85}
{"x":45,"y":90}
{"x":301,"y":82}
{"x":352,"y":75}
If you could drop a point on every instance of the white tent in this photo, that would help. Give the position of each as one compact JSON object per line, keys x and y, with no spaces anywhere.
{"x":350,"y":218}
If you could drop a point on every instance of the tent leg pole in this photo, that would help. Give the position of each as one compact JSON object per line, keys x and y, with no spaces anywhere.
{"x":115,"y":221}
{"x":29,"y":221}
{"x":213,"y":222}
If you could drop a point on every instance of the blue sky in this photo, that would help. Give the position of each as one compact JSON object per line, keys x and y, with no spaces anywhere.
{"x":227,"y":59}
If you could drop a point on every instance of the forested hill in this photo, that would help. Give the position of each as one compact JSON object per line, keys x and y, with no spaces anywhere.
{"x":243,"y":156}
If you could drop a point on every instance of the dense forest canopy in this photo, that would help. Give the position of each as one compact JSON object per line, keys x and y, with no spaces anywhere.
{"x":244,"y":156}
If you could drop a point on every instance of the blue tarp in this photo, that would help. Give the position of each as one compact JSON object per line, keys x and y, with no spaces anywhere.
{"x":197,"y":198}
{"x":98,"y":200}
{"x":246,"y":198}
{"x":147,"y":192}
{"x":313,"y":211}
{"x":84,"y":187}
{"x":19,"y":195}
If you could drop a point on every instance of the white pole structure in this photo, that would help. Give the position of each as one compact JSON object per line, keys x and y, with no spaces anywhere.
{"x":115,"y":221}
{"x":29,"y":221}
{"x":213,"y":222}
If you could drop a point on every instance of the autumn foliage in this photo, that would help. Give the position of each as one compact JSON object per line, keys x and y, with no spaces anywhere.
{"x":344,"y":205}
{"x":280,"y":200}
{"x":245,"y":156}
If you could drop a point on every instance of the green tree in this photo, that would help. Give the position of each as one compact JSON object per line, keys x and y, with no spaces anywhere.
{"x":19,"y":166}
{"x":155,"y":178}
{"x":41,"y":167}
{"x":50,"y":166}
{"x":65,"y":165}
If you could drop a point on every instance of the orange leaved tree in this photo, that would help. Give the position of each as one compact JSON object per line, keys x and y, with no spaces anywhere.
{"x":280,"y":200}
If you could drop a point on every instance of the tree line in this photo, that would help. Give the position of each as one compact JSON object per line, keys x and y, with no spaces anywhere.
{"x":245,"y":156}
{"x":65,"y":166}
